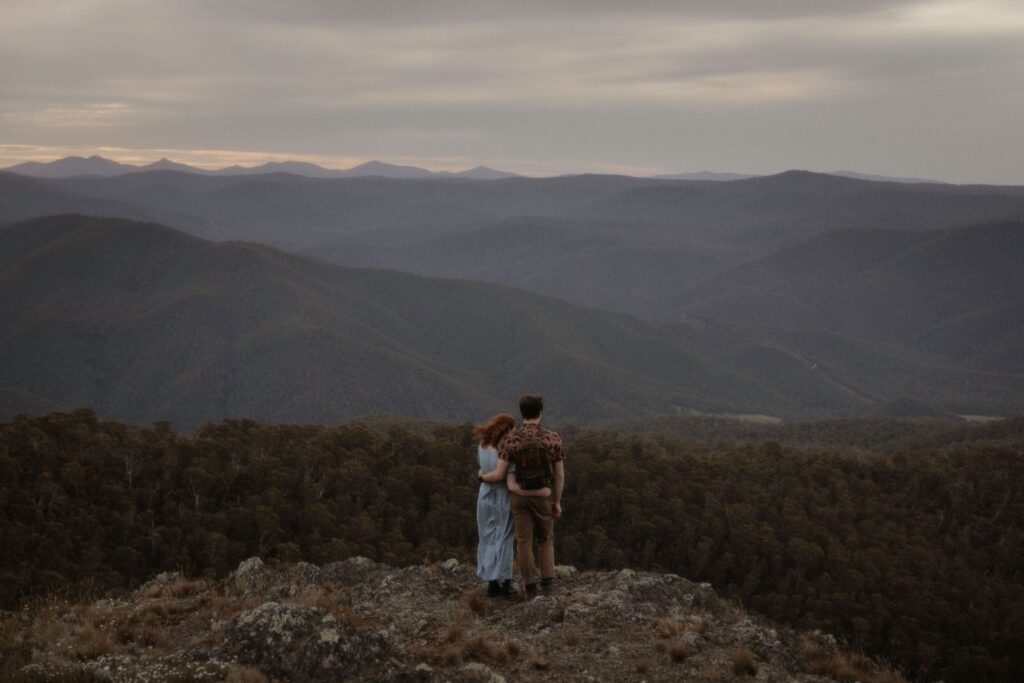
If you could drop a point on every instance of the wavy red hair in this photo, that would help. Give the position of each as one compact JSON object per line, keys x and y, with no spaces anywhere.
{"x":491,"y":432}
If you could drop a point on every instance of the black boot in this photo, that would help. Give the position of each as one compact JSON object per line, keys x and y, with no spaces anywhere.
{"x":507,"y":591}
{"x":493,"y":589}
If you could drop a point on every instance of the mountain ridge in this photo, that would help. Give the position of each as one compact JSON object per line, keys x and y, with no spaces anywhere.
{"x":115,"y":287}
{"x":95,"y":165}
{"x":147,"y":323}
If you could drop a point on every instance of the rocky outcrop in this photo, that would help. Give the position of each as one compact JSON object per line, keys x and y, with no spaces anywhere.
{"x":301,"y":643}
{"x":361,"y":620}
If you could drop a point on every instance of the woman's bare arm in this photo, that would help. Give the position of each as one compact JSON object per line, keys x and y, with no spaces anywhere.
{"x":495,"y":475}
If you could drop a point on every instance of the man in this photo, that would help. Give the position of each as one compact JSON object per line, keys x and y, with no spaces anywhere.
{"x":534,"y":517}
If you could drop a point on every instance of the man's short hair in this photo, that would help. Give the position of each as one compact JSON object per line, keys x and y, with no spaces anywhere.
{"x":531,"y":406}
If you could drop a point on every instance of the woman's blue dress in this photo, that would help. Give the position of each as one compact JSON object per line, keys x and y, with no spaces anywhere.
{"x":494,"y":523}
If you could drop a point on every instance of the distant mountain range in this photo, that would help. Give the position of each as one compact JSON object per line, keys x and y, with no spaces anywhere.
{"x":635,"y":245}
{"x":801,"y":293}
{"x":145,"y":323}
{"x":142,"y":322}
{"x":704,"y":175}
{"x":98,"y":166}
{"x":72,"y":166}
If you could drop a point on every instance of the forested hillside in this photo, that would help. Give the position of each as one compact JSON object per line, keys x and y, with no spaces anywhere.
{"x":142,"y":323}
{"x":909,"y":547}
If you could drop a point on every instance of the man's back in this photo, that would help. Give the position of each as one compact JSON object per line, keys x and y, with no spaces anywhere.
{"x":551,"y":440}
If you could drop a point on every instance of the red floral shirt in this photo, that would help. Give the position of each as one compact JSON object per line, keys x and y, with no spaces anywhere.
{"x":551,"y":440}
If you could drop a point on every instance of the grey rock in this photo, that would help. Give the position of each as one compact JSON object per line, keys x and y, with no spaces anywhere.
{"x":305,"y":644}
{"x":162,"y":579}
{"x":761,"y":639}
{"x":694,"y":642}
{"x":577,"y":613}
{"x":352,"y":572}
{"x":251,"y":576}
{"x":482,"y":672}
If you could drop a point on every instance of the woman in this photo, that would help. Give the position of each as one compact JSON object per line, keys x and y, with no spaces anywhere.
{"x":493,"y":515}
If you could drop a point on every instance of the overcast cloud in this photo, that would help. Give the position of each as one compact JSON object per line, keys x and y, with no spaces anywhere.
{"x":930,"y":89}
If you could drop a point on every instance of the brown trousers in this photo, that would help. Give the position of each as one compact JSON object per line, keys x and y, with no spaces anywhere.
{"x":534,"y":526}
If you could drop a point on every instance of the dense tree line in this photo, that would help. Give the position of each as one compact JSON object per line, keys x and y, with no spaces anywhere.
{"x":914,"y":554}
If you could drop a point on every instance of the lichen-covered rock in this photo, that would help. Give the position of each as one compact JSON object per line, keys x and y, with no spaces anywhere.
{"x":302,"y":576}
{"x":361,"y":620}
{"x":296,"y":643}
{"x":481,"y":672}
{"x":353,"y":571}
{"x":157,"y":582}
{"x":251,"y":576}
{"x":760,"y":639}
{"x":565,"y":571}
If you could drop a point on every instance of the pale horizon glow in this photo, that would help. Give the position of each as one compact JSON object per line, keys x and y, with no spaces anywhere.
{"x":920,"y":88}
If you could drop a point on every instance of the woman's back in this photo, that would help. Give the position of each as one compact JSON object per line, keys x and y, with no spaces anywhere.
{"x":488,"y":458}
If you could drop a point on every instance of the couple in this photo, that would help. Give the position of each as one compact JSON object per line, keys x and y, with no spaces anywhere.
{"x":522,"y":472}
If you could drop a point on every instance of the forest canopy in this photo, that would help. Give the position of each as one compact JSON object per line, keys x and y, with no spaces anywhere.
{"x":908,"y":545}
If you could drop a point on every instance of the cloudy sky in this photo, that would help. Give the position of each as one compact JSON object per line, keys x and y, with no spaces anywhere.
{"x":929,"y":89}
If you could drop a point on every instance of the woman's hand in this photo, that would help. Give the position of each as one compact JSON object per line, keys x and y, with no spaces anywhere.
{"x":544,"y":492}
{"x":480,"y":474}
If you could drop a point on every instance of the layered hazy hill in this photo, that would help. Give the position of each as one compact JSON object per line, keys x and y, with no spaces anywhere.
{"x":958,"y":293}
{"x":98,"y":166}
{"x":798,"y":293}
{"x":741,"y":218}
{"x":631,"y":244}
{"x":144,"y":323}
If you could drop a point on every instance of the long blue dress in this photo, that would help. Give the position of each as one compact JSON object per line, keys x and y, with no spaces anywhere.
{"x":494,"y":524}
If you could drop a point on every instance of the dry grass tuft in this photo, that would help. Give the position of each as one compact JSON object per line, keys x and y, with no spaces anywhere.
{"x":228,"y":608}
{"x":668,"y":628}
{"x":711,"y":675}
{"x":453,"y":633}
{"x":14,"y":649}
{"x":481,"y":649}
{"x":558,"y":612}
{"x":661,"y":646}
{"x":845,"y":667}
{"x":642,"y":667}
{"x":476,"y":602}
{"x":887,"y":675}
{"x":179,"y":588}
{"x":572,"y":637}
{"x":454,"y":649}
{"x":245,"y":674}
{"x":92,"y":641}
{"x":318,"y":599}
{"x":163,"y":610}
{"x":147,"y":636}
{"x":743,"y":663}
{"x":452,"y":655}
{"x":678,"y":652}
{"x":540,"y":664}
{"x":137,"y":633}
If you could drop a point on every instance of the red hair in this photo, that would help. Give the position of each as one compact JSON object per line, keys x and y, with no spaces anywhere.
{"x":492,"y":431}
